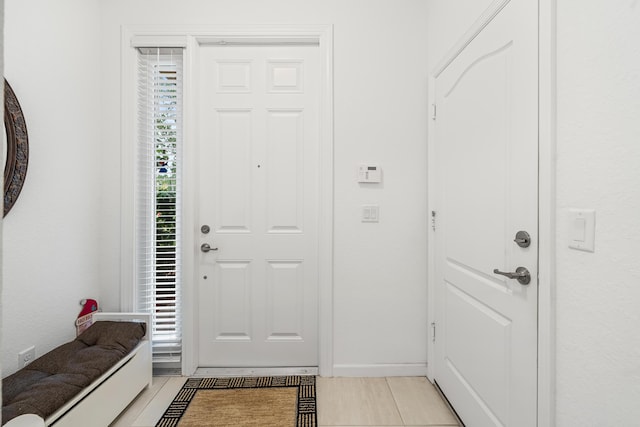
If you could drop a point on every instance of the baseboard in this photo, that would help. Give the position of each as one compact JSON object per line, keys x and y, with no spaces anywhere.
{"x":372,"y":370}
{"x":381,"y":370}
{"x":254,"y":372}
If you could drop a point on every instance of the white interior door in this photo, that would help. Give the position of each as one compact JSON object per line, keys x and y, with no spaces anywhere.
{"x":486,"y":148}
{"x":258,"y":194}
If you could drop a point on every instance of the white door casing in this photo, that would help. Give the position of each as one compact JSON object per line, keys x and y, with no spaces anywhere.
{"x":486,"y":177}
{"x":258,"y":110}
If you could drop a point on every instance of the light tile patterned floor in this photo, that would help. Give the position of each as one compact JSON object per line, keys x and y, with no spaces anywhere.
{"x":352,"y":402}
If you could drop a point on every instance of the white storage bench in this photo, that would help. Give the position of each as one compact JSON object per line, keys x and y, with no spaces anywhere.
{"x":108,"y":395}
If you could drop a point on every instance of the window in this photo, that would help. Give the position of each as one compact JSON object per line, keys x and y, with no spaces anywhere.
{"x":158,"y":170}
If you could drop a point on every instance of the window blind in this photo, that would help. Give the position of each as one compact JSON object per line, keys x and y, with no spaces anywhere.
{"x":158,"y":194}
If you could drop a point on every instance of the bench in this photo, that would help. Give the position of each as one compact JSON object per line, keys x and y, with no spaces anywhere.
{"x":104,"y":398}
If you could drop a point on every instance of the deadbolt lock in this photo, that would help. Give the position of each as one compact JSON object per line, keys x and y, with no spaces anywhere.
{"x":523,"y":239}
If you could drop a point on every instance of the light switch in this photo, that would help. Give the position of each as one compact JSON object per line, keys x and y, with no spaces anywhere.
{"x":578,"y":229}
{"x":582,"y":229}
{"x":370,"y":213}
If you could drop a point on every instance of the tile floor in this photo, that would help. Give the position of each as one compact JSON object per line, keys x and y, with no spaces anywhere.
{"x":353,"y":402}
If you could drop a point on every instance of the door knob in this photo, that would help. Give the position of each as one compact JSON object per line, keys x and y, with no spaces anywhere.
{"x":521,"y":273}
{"x":205,"y":247}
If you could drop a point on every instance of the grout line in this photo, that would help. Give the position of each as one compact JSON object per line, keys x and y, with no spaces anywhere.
{"x":161,"y":400}
{"x":395,"y":401}
{"x":140,"y":403}
{"x":153,"y":396}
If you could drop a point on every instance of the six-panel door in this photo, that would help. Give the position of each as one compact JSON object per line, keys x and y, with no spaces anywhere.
{"x":258,"y":191}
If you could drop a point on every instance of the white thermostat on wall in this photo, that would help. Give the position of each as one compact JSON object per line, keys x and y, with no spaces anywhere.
{"x":369,"y":174}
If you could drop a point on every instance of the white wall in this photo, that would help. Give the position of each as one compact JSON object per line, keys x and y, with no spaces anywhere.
{"x":598,"y":297}
{"x":598,"y":158}
{"x":380,"y":108}
{"x":50,"y":241}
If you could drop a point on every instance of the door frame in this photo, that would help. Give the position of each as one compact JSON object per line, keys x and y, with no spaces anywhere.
{"x":190,"y":37}
{"x":546,"y":197}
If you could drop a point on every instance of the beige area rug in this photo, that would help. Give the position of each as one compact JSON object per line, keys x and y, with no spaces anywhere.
{"x":247,"y":401}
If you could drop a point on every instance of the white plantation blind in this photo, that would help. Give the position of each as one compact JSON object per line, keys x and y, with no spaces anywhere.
{"x":158,"y":194}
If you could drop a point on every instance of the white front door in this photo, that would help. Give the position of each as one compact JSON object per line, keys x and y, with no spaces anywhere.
{"x":486,"y":156}
{"x":258,"y":121}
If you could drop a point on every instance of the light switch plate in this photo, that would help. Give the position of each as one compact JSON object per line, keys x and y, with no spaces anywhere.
{"x":582,"y":229}
{"x":370,"y":213}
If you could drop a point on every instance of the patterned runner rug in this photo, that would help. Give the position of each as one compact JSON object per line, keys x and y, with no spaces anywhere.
{"x":246,"y":401}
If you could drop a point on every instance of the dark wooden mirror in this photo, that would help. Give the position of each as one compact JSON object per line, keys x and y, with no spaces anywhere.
{"x":16,"y":149}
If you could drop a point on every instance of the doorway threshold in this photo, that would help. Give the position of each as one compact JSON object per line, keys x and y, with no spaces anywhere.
{"x":256,"y":372}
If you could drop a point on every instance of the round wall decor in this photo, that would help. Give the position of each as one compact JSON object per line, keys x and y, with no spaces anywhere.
{"x":16,"y":150}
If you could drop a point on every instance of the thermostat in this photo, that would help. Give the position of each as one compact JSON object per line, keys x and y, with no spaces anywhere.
{"x":369,"y":173}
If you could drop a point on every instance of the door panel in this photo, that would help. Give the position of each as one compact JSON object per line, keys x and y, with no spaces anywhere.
{"x":486,"y":191}
{"x":286,"y":301}
{"x":233,"y":309}
{"x":258,"y":190}
{"x":232,"y":171}
{"x":285,"y":150}
{"x":470,"y":325}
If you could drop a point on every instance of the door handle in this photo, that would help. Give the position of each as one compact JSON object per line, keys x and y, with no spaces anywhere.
{"x":521,"y":273}
{"x":205,"y":247}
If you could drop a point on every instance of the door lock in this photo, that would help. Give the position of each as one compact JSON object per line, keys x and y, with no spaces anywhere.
{"x":523,"y":239}
{"x":522,"y":274}
{"x":205,"y":247}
